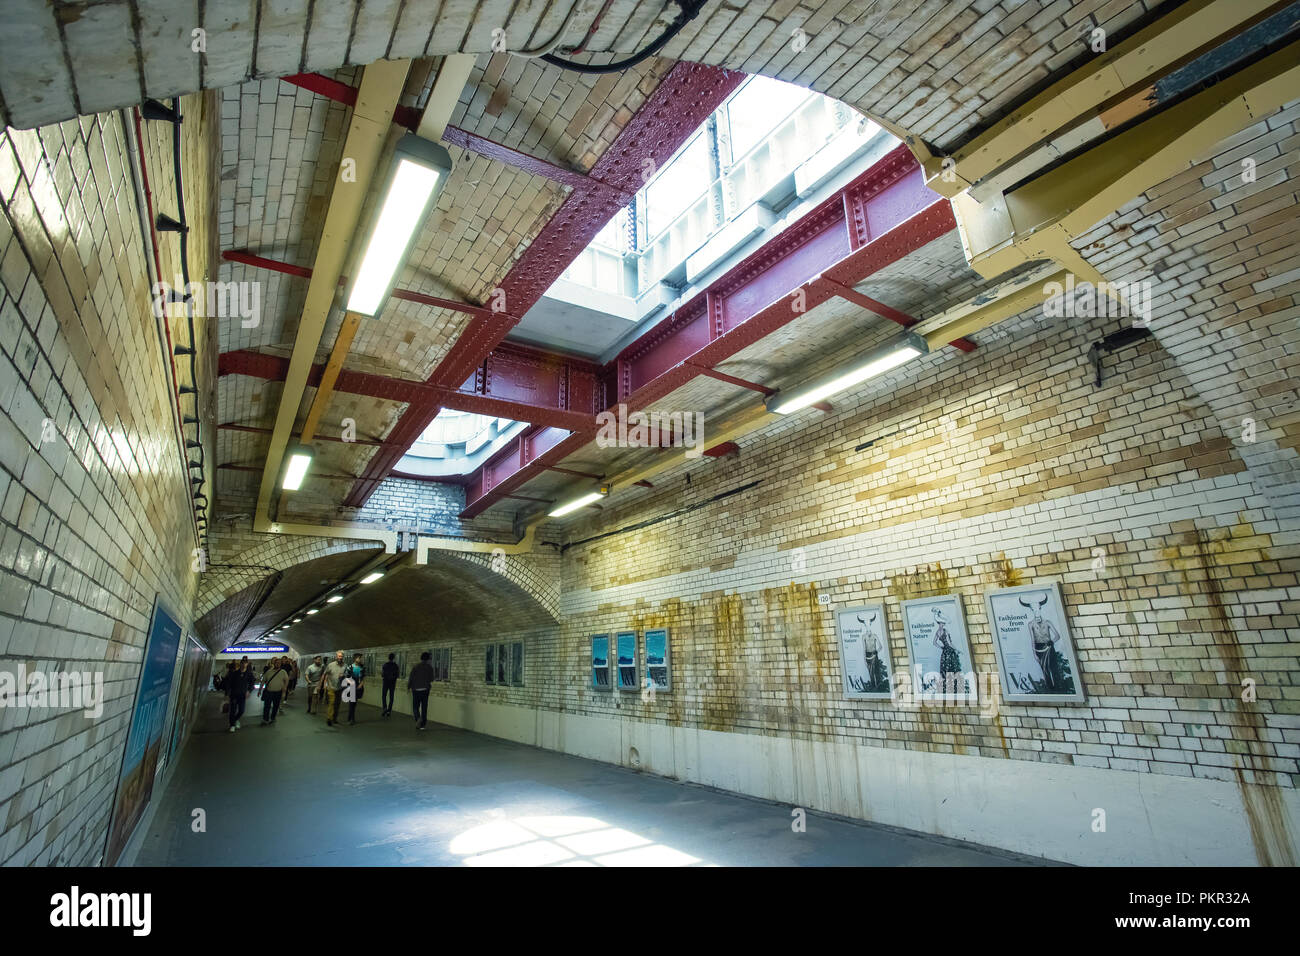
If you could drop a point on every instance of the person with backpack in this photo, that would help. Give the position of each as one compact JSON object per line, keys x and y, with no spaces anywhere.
{"x":388,"y":694}
{"x":273,"y":686}
{"x":420,"y":682}
{"x":236,"y":686}
{"x":331,"y":683}
{"x":358,"y":688}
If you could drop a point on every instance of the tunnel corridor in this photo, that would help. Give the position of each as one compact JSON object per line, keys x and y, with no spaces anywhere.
{"x":780,"y":435}
{"x":380,"y":794}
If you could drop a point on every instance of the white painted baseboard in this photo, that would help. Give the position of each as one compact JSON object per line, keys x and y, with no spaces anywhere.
{"x":1040,"y":809}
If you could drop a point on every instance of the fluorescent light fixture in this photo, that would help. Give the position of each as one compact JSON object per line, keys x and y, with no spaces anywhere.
{"x":419,"y":170}
{"x":579,"y":503}
{"x":295,"y":470}
{"x":334,"y":599}
{"x":372,"y":577}
{"x":314,"y":610}
{"x":297,"y":620}
{"x":879,"y":360}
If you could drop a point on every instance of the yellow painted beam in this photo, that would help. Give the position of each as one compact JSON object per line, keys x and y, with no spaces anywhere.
{"x":453,"y":74}
{"x":1167,"y":43}
{"x":347,"y":529}
{"x":1039,"y":219}
{"x":342,"y":345}
{"x":370,"y":126}
{"x":993,"y":305}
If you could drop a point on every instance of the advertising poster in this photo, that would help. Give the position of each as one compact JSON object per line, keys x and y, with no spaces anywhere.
{"x":1036,"y":660}
{"x":187,"y":700}
{"x":658,"y":666}
{"x":942,"y":667}
{"x":503,"y":663}
{"x":517,"y":664}
{"x":600,"y":662}
{"x":489,"y":661}
{"x":144,"y":738}
{"x":625,"y":644}
{"x":864,"y":652}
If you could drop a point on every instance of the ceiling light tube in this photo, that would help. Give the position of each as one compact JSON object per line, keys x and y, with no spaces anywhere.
{"x":577,"y":503}
{"x":877,"y":361}
{"x":334,"y":599}
{"x":314,"y":610}
{"x":372,"y":577}
{"x":295,"y":469}
{"x":420,"y":169}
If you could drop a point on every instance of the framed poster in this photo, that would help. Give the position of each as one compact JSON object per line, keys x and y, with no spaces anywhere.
{"x":490,"y":670}
{"x":625,"y":650}
{"x":144,"y":737}
{"x":1036,"y":660}
{"x":864,"y":652}
{"x":600,"y":662}
{"x":517,"y":664}
{"x":187,"y":702}
{"x":658,"y":660}
{"x":503,"y":663}
{"x":941,"y":659}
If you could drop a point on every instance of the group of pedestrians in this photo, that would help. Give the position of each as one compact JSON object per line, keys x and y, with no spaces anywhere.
{"x":328,"y":686}
{"x":278,"y":681}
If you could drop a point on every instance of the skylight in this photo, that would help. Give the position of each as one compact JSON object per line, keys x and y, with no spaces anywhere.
{"x":747,"y":154}
{"x":455,"y":443}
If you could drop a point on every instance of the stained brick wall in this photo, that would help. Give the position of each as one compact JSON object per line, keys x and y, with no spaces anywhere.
{"x":96,"y":516}
{"x":1218,"y":242}
{"x":1019,"y":471}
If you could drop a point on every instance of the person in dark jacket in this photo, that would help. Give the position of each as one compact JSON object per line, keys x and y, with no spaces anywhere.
{"x":236,"y":686}
{"x":420,"y":681}
{"x":390,"y":674}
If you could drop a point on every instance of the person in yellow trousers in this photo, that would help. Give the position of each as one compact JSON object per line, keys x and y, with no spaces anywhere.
{"x":335,"y":671}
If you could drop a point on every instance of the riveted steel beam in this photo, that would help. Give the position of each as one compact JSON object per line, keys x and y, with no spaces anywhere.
{"x":685,"y":98}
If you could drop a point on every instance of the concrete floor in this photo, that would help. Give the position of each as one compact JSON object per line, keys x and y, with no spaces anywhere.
{"x":382,"y":794}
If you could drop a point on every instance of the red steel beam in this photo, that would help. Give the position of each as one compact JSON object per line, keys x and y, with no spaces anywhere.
{"x":275,"y":265}
{"x":255,"y":430}
{"x":889,"y":312}
{"x":514,"y":381}
{"x":684,"y":100}
{"x":882,"y":216}
{"x":410,"y":118}
{"x":743,"y":383}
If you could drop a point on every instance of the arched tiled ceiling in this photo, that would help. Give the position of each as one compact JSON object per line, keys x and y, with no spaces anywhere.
{"x":450,"y":597}
{"x":939,"y":70}
{"x":254,"y":609}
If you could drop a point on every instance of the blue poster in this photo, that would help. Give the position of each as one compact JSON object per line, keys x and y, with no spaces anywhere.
{"x":144,"y":738}
{"x":625,"y":642}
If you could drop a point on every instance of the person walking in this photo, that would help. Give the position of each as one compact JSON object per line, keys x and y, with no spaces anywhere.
{"x":388,"y":694}
{"x":314,"y":671}
{"x":358,"y":688}
{"x":273,"y":686}
{"x":331,"y":683}
{"x":420,"y":682}
{"x":291,"y":666}
{"x":236,"y":686}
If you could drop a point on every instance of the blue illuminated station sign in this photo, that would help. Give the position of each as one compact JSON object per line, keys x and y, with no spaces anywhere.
{"x":256,"y":649}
